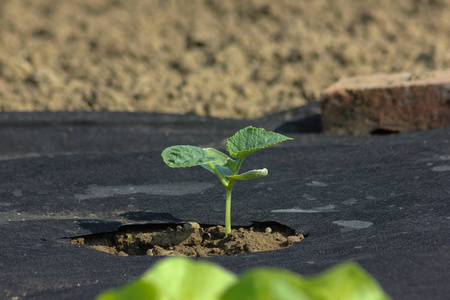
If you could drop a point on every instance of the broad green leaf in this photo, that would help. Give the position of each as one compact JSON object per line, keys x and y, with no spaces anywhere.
{"x":183,"y":156}
{"x":182,"y":278}
{"x":251,"y":139}
{"x":253,"y":174}
{"x":267,"y":284}
{"x":136,"y":290}
{"x":346,"y":281}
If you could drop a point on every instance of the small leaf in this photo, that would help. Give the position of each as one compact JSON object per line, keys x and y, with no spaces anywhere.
{"x":253,"y":174}
{"x":251,"y":139}
{"x":346,"y":281}
{"x":224,"y":171}
{"x":267,"y":284}
{"x":183,"y":156}
{"x":182,"y":278}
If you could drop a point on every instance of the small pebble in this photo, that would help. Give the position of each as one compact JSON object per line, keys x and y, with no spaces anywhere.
{"x":191,"y":225}
{"x":268,"y":230}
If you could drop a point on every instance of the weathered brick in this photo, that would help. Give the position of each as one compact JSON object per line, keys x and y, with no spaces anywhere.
{"x":387,"y":103}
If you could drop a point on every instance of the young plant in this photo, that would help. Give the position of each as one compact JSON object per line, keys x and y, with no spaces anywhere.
{"x":239,"y":146}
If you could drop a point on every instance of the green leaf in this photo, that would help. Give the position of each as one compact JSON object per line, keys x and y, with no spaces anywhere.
{"x":251,"y":139}
{"x":182,"y":278}
{"x":136,"y":290}
{"x":183,"y":156}
{"x":267,"y":284}
{"x":253,"y":174}
{"x":346,"y":281}
{"x":224,"y":171}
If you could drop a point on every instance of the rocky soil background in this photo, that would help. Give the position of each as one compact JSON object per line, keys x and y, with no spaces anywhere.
{"x":235,"y":58}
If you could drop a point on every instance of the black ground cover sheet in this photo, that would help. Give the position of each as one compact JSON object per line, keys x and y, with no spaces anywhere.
{"x":378,"y":200}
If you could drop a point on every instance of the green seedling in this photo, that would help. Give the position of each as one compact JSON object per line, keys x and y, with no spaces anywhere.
{"x":239,"y":146}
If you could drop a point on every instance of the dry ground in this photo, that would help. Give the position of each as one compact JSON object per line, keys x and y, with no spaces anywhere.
{"x":208,"y":57}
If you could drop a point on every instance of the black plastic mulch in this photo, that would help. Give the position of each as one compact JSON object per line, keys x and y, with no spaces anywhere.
{"x":379,"y":200}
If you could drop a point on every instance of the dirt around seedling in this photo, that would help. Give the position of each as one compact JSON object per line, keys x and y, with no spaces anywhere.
{"x":191,"y":239}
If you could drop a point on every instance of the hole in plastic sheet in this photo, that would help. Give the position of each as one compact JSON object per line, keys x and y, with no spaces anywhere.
{"x":191,"y":239}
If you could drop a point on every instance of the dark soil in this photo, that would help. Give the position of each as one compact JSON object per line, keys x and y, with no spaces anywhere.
{"x":191,"y":239}
{"x":234,"y":58}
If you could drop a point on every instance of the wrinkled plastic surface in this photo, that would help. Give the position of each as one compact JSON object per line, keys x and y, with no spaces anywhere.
{"x":379,"y":200}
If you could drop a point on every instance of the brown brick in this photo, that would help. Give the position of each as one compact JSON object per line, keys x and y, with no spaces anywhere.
{"x":394,"y":103}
